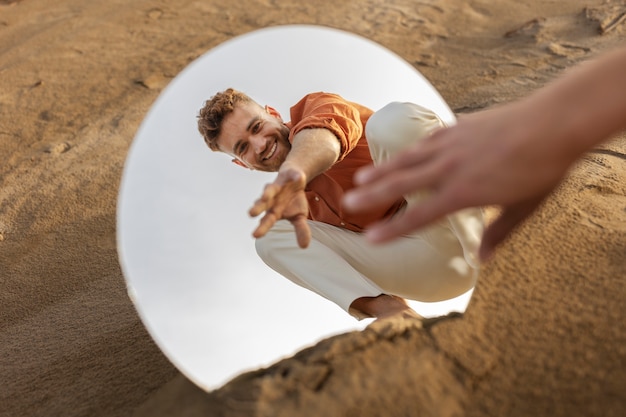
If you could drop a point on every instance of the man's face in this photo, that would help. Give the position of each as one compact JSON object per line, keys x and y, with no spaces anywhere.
{"x":256,"y":137}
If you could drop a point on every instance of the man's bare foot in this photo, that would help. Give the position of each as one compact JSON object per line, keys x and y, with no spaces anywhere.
{"x":384,"y":306}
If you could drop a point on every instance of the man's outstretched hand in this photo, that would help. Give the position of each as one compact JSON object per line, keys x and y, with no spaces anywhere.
{"x":284,"y":199}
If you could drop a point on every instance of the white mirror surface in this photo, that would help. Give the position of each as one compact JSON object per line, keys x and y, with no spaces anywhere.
{"x":184,"y":237}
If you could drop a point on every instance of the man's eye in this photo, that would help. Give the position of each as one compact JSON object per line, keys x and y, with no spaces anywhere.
{"x":242,"y":148}
{"x":256,"y":127}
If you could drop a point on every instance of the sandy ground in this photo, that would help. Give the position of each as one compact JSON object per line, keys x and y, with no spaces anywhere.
{"x":544,"y":334}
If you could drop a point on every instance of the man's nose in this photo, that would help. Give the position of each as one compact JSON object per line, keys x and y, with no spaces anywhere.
{"x":258,"y":143}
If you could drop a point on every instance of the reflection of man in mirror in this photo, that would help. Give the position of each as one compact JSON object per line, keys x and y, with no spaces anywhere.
{"x":316,"y":155}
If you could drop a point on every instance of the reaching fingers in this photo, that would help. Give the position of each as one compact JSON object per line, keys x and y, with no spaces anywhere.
{"x":265,"y":201}
{"x":266,"y":223}
{"x":303,"y":232}
{"x":414,"y":218}
{"x":396,"y":184}
{"x":408,"y":158}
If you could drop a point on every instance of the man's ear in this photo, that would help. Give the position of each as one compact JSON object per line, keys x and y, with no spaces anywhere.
{"x":273,"y":112}
{"x":238,"y":162}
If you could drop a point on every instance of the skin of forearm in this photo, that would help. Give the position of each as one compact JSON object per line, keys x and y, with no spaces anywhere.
{"x":312,"y":152}
{"x":586,"y":105}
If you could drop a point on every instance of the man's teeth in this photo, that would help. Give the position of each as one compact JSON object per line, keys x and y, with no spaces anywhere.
{"x":269,"y":155}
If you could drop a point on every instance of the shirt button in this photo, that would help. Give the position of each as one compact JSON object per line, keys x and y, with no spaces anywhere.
{"x":343,"y":224}
{"x":317,"y":198}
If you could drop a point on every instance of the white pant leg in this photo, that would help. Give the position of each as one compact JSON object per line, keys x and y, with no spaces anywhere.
{"x":400,"y":125}
{"x":342,"y":265}
{"x":415,"y":266}
{"x":319,"y":268}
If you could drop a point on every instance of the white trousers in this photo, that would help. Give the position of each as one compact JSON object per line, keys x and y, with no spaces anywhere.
{"x":436,"y":263}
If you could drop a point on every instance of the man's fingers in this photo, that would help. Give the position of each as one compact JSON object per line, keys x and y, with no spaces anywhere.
{"x":303,"y":232}
{"x":265,"y":201}
{"x":266,"y":223}
{"x":419,"y":216}
{"x":370,"y":196}
{"x":411,"y":157}
{"x":395,"y":185}
{"x":301,"y":226}
{"x":256,"y":209}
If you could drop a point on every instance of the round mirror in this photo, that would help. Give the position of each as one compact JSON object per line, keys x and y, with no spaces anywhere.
{"x":184,"y":237}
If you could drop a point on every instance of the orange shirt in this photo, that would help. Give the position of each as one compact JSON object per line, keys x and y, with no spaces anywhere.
{"x":325,"y":192}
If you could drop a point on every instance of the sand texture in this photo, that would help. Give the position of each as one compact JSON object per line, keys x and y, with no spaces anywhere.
{"x":544,"y":334}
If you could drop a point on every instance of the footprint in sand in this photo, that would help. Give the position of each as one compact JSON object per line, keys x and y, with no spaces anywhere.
{"x":567,"y":50}
{"x":58,"y":148}
{"x":602,"y":199}
{"x":530,"y":28}
{"x":604,"y":208}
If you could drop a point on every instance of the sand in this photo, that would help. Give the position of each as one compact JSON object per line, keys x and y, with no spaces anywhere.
{"x":544,"y":334}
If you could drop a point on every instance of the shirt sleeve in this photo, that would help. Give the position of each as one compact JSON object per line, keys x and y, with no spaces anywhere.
{"x":332,"y":112}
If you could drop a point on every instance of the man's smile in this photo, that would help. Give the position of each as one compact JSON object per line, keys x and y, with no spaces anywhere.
{"x":271,"y":151}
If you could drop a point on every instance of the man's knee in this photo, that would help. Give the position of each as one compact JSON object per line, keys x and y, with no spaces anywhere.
{"x":398,"y":125}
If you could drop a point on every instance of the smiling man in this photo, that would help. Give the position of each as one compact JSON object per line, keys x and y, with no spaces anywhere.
{"x":315,"y":155}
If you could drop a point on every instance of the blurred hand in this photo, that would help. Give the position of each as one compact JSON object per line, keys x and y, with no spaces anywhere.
{"x":494,"y":157}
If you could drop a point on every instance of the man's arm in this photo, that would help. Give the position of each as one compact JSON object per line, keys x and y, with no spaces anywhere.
{"x":313,"y":151}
